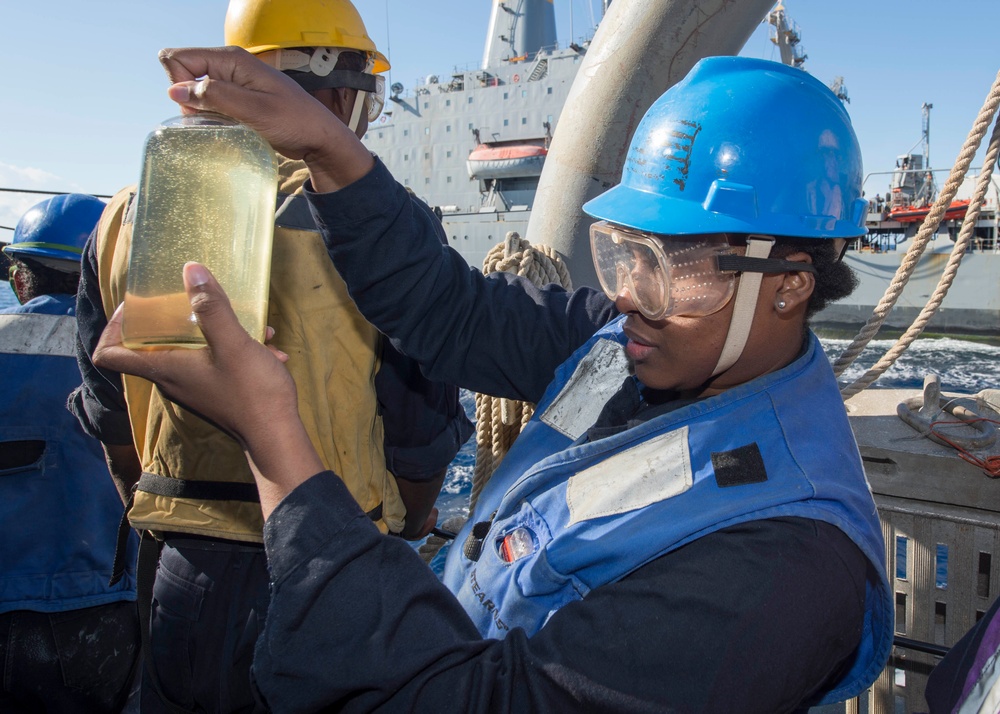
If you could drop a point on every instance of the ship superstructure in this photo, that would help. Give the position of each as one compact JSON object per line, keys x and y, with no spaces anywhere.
{"x":472,"y":145}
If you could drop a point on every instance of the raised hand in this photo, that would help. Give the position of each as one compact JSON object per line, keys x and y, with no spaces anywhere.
{"x":231,"y":81}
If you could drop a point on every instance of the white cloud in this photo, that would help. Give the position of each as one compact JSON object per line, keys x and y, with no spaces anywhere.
{"x":13,"y":205}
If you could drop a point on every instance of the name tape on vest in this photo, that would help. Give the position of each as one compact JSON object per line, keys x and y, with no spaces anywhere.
{"x":595,"y":380}
{"x":650,"y":472}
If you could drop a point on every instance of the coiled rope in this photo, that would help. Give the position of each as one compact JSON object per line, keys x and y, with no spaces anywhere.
{"x":499,"y":421}
{"x":927,"y":229}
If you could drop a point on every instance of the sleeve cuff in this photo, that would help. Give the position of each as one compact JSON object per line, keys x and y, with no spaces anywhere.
{"x":308,"y":519}
{"x":109,"y":426}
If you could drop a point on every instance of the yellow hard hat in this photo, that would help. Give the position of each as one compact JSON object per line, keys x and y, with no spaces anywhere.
{"x":261,"y":25}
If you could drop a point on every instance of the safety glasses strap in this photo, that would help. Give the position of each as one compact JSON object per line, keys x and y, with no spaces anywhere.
{"x":743,"y":263}
{"x":359,"y":106}
{"x":337,"y":78}
{"x":745,"y":305}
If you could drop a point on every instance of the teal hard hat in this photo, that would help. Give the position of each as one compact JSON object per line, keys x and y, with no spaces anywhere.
{"x":54,"y":231}
{"x":741,"y":146}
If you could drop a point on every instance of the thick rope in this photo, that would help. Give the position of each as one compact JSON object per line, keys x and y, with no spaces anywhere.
{"x":947,"y":276}
{"x":927,"y":230}
{"x":500,"y":421}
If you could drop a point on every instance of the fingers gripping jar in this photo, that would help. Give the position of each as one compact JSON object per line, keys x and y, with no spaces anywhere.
{"x":206,"y":194}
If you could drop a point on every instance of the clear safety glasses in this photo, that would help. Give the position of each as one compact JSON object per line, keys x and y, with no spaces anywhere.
{"x":375,"y":101}
{"x":663,"y":275}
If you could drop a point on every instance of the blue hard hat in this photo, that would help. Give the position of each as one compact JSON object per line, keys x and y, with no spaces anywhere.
{"x":54,"y":231}
{"x":741,"y":146}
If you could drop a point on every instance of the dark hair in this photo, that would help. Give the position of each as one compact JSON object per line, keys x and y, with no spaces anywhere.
{"x":42,"y":280}
{"x":834,"y":278}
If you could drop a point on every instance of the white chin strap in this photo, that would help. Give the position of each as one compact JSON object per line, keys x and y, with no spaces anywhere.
{"x":359,"y":106}
{"x":745,"y":306}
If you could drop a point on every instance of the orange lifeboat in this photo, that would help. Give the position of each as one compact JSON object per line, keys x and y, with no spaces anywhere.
{"x":508,"y":161}
{"x":915,"y":214}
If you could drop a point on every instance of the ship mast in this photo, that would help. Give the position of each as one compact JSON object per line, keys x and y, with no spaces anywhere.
{"x":925,"y":110}
{"x":928,"y":192}
{"x":787,"y":37}
{"x":518,"y":30}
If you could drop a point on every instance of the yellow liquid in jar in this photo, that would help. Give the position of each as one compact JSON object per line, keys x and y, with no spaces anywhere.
{"x":206,"y":194}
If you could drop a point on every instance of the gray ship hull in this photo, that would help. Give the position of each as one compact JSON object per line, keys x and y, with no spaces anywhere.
{"x":972,"y":305}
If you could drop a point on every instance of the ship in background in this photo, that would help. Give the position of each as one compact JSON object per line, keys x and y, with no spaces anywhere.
{"x":972,"y":306}
{"x":472,"y":145}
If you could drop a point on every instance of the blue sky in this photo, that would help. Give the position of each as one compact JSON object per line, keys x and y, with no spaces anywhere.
{"x":82,"y":87}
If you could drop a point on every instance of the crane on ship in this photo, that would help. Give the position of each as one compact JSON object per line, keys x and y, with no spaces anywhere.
{"x":787,"y":37}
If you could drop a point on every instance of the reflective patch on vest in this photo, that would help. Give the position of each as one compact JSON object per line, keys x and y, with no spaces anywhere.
{"x":743,"y":465}
{"x":650,"y":472}
{"x":595,"y":380}
{"x":37,"y":334}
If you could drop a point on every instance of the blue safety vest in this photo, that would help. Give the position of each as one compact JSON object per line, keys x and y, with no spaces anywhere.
{"x":560,"y":518}
{"x":60,"y":512}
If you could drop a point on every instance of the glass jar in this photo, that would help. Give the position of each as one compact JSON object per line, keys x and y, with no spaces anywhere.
{"x":206,"y":194}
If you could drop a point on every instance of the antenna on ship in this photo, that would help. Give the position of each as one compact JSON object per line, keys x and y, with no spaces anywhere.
{"x":925,"y":127}
{"x":928,"y":191}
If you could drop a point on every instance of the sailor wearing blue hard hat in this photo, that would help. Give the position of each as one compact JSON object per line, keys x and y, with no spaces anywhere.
{"x":70,"y":639}
{"x":705,"y":192}
{"x":51,"y":235}
{"x":683,"y":525}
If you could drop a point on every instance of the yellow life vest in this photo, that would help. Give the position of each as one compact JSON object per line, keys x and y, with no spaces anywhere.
{"x":333,"y":358}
